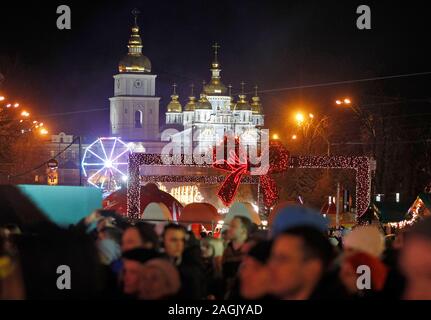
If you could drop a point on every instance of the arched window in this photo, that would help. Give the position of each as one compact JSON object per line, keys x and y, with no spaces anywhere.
{"x":138,"y":119}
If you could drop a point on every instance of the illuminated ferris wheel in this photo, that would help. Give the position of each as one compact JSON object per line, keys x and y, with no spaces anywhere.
{"x":105,"y":163}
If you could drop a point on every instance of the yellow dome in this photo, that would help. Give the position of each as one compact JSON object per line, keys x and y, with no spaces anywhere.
{"x":242,"y":104}
{"x":203,"y":103}
{"x":191,"y":104}
{"x":256,"y":106}
{"x":135,"y":61}
{"x":174,"y":105}
{"x":215,"y":87}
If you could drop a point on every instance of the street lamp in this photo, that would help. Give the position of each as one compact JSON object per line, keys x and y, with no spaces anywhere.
{"x":2,"y":98}
{"x":43,"y":131}
{"x":275,"y":136}
{"x":294,"y":137}
{"x":25,"y":113}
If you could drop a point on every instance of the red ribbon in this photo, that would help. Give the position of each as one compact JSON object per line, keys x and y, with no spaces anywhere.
{"x":278,"y":162}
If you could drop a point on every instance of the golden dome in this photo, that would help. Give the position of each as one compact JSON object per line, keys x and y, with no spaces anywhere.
{"x":135,"y":61}
{"x":203,"y":103}
{"x":242,"y":104}
{"x":215,"y":87}
{"x":174,"y":105}
{"x":191,"y":104}
{"x":256,"y":105}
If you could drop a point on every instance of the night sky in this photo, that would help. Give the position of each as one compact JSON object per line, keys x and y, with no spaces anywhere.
{"x":273,"y":44}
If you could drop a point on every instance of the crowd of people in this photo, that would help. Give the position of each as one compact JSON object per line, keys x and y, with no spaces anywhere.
{"x":295,"y":259}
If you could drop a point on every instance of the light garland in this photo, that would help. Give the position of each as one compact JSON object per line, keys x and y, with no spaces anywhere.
{"x":415,"y":216}
{"x":361,"y":165}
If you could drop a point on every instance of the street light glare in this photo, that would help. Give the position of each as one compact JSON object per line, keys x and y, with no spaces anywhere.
{"x":311,"y":115}
{"x":294,"y":137}
{"x":16,"y":105}
{"x":2,"y":98}
{"x":275,"y":136}
{"x":43,"y":131}
{"x":25,"y":114}
{"x":347,"y":101}
{"x":299,"y":117}
{"x":338,"y":102}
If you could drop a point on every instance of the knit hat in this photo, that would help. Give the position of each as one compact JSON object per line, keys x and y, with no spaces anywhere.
{"x":378,"y":269}
{"x":367,"y":239}
{"x":298,"y":216}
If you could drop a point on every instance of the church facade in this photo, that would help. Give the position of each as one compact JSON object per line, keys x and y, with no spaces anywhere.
{"x":202,"y":121}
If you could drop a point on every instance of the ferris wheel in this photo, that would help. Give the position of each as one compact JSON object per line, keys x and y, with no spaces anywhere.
{"x":105,"y":163}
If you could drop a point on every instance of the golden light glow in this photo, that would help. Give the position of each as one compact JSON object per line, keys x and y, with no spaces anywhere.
{"x":8,"y":105}
{"x":2,"y":98}
{"x":347,"y":101}
{"x":25,"y":114}
{"x":294,"y":137}
{"x":338,"y":102}
{"x":16,"y":105}
{"x":43,"y":131}
{"x":299,"y":117}
{"x":275,"y":136}
{"x":311,"y":116}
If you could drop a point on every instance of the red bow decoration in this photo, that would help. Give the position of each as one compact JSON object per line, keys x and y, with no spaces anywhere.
{"x":237,"y":163}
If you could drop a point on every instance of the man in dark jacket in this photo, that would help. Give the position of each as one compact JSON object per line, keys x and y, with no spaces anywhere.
{"x":187,"y":260}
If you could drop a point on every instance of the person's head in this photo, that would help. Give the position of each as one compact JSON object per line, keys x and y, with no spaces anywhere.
{"x":366,"y":239}
{"x":349,"y":266}
{"x":299,"y":257}
{"x":131,"y":276}
{"x":174,"y":237}
{"x":253,"y":273}
{"x":239,"y":228}
{"x":140,"y":235}
{"x":159,"y":279}
{"x":415,"y":261}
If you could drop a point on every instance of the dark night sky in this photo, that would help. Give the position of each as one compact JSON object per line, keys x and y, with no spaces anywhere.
{"x":269,"y":43}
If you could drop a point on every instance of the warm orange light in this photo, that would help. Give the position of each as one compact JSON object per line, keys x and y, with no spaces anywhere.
{"x":2,"y":98}
{"x":275,"y":136}
{"x":16,"y":105}
{"x":25,"y":114}
{"x":338,"y":102}
{"x":311,"y":116}
{"x":294,"y":137}
{"x":34,"y":121}
{"x":299,"y":117}
{"x":43,"y":131}
{"x":8,"y":105}
{"x":41,"y":124}
{"x":347,"y":101}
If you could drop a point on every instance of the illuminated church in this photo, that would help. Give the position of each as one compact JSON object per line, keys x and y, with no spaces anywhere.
{"x":134,"y":109}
